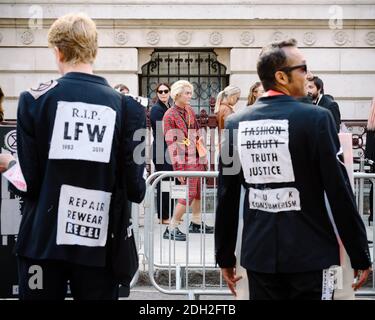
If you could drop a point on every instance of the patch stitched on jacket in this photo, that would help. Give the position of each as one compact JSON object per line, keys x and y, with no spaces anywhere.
{"x":82,"y":217}
{"x":275,"y":200}
{"x":264,"y":151}
{"x":82,"y":131}
{"x":43,"y":88}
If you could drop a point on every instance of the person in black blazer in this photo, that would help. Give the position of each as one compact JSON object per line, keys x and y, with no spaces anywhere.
{"x":287,"y":156}
{"x":160,"y":155}
{"x":315,"y":89}
{"x":74,"y":135}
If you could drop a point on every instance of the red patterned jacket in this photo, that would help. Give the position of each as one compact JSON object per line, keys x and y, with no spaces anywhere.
{"x":181,"y":132}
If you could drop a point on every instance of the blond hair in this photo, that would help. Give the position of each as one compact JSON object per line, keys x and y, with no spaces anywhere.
{"x":178,"y":88}
{"x":371,"y":118}
{"x":251,"y":97}
{"x":76,"y":37}
{"x":227,"y":94}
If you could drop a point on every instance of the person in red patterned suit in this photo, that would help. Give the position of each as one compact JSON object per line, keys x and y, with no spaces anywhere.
{"x":181,"y":135}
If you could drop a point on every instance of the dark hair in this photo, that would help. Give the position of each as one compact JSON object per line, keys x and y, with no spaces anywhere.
{"x":121,"y":87}
{"x":156,"y":98}
{"x":318,"y":83}
{"x":271,"y":59}
{"x":162,"y":84}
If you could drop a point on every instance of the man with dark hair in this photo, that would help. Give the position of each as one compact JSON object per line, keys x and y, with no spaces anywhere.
{"x":318,"y":84}
{"x":315,"y":89}
{"x":287,"y":156}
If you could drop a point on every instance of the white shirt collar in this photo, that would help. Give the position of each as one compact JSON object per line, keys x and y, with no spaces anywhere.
{"x":320,"y":98}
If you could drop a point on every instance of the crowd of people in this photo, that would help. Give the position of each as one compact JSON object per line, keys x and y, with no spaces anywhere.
{"x":76,"y":149}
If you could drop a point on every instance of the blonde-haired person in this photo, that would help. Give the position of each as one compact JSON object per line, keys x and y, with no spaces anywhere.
{"x":181,"y":135}
{"x":256,"y":91}
{"x":74,"y":38}
{"x":225,"y":103}
{"x":75,"y":149}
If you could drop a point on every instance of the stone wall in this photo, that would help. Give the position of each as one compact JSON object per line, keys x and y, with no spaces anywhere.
{"x":341,"y":51}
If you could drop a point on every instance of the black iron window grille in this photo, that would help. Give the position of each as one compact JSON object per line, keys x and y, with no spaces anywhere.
{"x":200,"y":68}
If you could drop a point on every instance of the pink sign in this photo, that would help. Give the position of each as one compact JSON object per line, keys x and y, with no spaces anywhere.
{"x":15,"y":177}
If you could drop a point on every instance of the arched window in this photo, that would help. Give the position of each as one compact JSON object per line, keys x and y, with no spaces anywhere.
{"x":201,"y":68}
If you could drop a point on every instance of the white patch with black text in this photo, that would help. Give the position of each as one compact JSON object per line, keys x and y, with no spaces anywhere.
{"x":82,"y":131}
{"x":275,"y":200}
{"x":332,"y":280}
{"x":264,"y":151}
{"x":82,"y":217}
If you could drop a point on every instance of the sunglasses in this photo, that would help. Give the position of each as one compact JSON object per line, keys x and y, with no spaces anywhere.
{"x":289,"y":69}
{"x":163,"y":91}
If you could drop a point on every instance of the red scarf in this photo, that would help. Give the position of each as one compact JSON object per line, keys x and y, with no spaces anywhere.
{"x":272,"y":93}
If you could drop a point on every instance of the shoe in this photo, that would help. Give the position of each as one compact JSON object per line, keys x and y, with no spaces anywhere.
{"x":174,"y":234}
{"x":164,"y":221}
{"x":197,"y":228}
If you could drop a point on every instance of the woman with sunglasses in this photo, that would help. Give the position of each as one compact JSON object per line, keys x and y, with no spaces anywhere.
{"x":160,"y":155}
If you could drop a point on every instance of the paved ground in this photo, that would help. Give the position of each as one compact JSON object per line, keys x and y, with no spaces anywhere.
{"x":150,"y":293}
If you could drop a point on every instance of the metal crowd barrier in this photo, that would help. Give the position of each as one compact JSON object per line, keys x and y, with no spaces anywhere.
{"x":137,"y":210}
{"x":10,"y":218}
{"x":179,"y":260}
{"x":359,"y":188}
{"x":186,"y":265}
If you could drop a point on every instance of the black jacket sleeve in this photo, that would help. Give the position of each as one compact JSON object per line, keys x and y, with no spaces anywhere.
{"x":133,"y":149}
{"x":229,"y":190}
{"x":340,"y":195}
{"x":335,"y":110}
{"x":370,"y":145}
{"x":27,"y":147}
{"x":156,"y":114}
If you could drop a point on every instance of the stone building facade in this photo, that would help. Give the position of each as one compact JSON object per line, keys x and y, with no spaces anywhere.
{"x":211,"y":42}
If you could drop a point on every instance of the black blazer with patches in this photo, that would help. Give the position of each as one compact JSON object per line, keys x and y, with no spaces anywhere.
{"x":290,"y":241}
{"x":44,"y":176}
